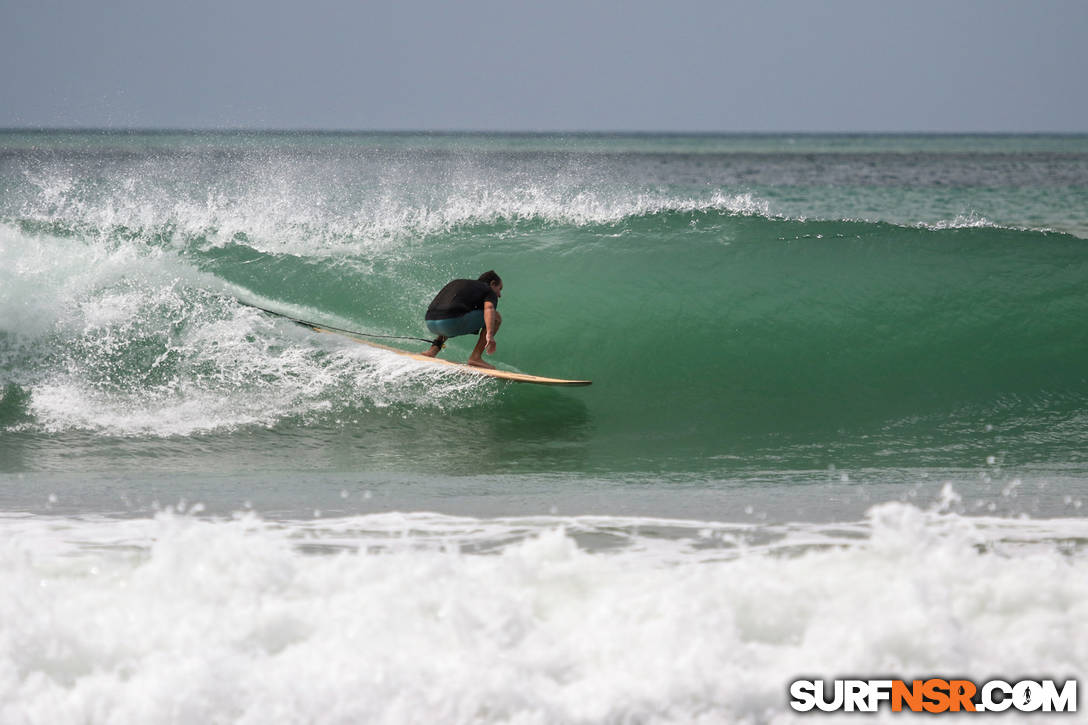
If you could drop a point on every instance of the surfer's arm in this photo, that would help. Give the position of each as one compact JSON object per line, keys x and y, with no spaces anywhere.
{"x":490,"y":314}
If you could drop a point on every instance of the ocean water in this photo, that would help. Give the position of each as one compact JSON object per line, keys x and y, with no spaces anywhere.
{"x":838,"y":425}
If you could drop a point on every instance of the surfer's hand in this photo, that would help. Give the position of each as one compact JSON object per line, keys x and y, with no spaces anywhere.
{"x":490,"y":346}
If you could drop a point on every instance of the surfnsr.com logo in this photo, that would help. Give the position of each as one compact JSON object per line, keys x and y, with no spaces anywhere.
{"x":933,"y":695}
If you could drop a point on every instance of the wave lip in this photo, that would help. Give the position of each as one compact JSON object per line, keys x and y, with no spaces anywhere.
{"x":310,"y":228}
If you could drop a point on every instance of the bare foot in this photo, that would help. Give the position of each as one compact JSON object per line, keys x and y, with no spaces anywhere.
{"x":477,"y":362}
{"x":433,"y":352}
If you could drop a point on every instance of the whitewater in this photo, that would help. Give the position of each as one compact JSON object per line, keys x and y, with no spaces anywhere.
{"x":837,"y":426}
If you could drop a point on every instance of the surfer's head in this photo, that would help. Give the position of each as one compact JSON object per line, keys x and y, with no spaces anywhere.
{"x":492,"y":279}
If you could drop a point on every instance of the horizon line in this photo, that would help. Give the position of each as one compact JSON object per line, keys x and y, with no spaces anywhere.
{"x":511,"y":132}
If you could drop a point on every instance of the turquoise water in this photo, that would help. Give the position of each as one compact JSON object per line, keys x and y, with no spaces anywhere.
{"x":863,"y":351}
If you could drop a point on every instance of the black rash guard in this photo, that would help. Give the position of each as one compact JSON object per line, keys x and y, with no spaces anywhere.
{"x":460,"y":297}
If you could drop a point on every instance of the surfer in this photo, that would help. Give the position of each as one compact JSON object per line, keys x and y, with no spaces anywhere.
{"x":465,"y":307}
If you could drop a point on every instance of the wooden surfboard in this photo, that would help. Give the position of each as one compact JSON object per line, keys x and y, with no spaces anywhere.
{"x":461,"y":367}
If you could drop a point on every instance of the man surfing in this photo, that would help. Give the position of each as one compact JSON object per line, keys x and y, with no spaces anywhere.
{"x":465,"y":307}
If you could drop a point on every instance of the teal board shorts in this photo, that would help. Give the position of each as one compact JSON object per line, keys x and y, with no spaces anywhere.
{"x":467,"y":324}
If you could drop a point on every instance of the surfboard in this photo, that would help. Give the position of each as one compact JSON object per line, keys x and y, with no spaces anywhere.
{"x":460,"y":367}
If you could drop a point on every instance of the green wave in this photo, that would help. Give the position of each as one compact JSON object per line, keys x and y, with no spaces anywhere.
{"x":700,"y":328}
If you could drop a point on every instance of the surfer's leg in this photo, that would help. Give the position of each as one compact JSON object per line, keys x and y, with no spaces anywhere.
{"x":436,"y":347}
{"x":476,"y":358}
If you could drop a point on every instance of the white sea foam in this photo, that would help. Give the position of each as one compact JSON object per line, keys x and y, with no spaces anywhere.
{"x":127,"y":339}
{"x":284,"y":206}
{"x":249,"y":382}
{"x":973,"y":221}
{"x":391,"y":618}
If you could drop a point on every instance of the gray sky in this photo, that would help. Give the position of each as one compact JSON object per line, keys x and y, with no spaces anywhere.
{"x":680,"y":65}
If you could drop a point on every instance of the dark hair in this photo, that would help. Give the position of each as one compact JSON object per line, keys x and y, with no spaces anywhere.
{"x":490,"y":277}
